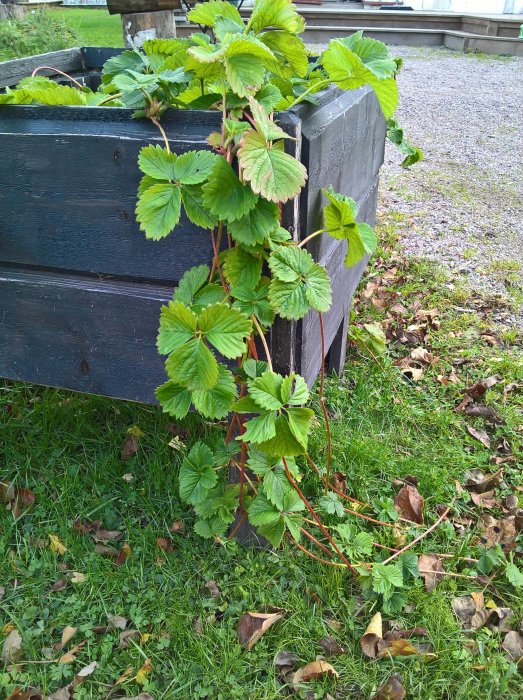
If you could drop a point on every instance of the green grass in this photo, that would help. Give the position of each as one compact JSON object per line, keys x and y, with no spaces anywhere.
{"x":53,"y":30}
{"x":66,"y":448}
{"x":94,"y":27}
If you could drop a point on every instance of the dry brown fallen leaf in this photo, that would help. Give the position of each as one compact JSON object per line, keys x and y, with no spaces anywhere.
{"x":430,"y":567}
{"x":391,"y":690}
{"x":213,"y":589}
{"x":67,"y":634}
{"x":70,"y":655}
{"x":29,"y":694}
{"x":495,"y":532}
{"x":479,"y":389}
{"x":164,"y":544}
{"x":128,"y":636}
{"x":178,"y":526}
{"x":130,"y":445}
{"x":253,"y":625}
{"x":409,"y":503}
{"x":410,"y":369}
{"x":331,"y":646}
{"x":314,"y":670}
{"x":486,"y":412}
{"x":12,"y":648}
{"x":423,"y":355}
{"x":116,"y":622}
{"x":513,"y":645}
{"x":339,"y":480}
{"x":478,"y":481}
{"x":480,"y":435}
{"x":372,"y":636}
{"x":285,"y":661}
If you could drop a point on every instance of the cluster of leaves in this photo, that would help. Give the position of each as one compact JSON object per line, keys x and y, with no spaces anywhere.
{"x":236,"y":188}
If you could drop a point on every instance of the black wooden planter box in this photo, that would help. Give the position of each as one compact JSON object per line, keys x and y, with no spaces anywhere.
{"x":81,"y":287}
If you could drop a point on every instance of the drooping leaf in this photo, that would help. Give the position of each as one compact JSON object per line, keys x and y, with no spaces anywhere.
{"x":300,"y":422}
{"x":158,"y":210}
{"x":242,"y":268}
{"x":206,"y":12}
{"x":197,"y":475}
{"x":175,"y":399}
{"x":287,"y":47}
{"x":264,"y":124}
{"x":216,"y":402}
{"x":246,"y":59}
{"x":225,"y":196}
{"x":257,"y":224}
{"x":280,"y":14}
{"x":274,"y":174}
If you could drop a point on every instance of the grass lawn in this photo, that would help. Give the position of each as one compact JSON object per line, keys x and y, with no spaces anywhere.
{"x":65,"y":447}
{"x":94,"y":27}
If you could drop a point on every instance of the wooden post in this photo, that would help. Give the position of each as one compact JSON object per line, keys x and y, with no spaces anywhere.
{"x":141,"y":26}
{"x":145,"y":19}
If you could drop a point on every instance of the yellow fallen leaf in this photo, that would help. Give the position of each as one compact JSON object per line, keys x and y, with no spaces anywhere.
{"x":372,"y":636}
{"x":7,"y":629}
{"x":135,"y":430}
{"x":56,"y":546}
{"x":67,"y":635}
{"x":77,"y":577}
{"x":142,"y":674}
{"x":144,"y":638}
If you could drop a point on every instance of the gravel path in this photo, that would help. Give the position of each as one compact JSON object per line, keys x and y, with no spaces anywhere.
{"x":463,"y":204}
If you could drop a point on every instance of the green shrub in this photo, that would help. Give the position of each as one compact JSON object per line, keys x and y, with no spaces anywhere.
{"x":37,"y":32}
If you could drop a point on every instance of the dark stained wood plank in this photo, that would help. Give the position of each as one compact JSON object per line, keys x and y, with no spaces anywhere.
{"x":69,"y":61}
{"x":118,"y":7}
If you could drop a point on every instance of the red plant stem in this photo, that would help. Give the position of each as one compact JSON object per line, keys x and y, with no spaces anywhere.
{"x":333,"y":488}
{"x":316,"y":518}
{"x":316,"y":542}
{"x":60,"y":72}
{"x":323,"y":407}
{"x":242,"y":471}
{"x":419,"y":537}
{"x":162,"y":132}
{"x":216,"y":261}
{"x":311,"y":555}
{"x":252,"y":345}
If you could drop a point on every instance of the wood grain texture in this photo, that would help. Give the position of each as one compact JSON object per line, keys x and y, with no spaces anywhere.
{"x":81,"y":287}
{"x":139,"y":27}
{"x":119,"y":7}
{"x":69,"y":61}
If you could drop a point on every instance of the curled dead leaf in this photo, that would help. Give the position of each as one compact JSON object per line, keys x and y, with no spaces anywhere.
{"x":213,"y":589}
{"x":128,"y":636}
{"x":331,"y":646}
{"x":409,"y":503}
{"x":391,"y":690}
{"x":372,"y":636}
{"x":164,"y":544}
{"x":478,"y":481}
{"x":253,"y":625}
{"x":513,"y":645}
{"x":480,"y":435}
{"x":430,"y":567}
{"x":116,"y":622}
{"x":314,"y":670}
{"x":285,"y":661}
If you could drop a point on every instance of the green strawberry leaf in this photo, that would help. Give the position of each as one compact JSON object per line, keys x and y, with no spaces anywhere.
{"x":194,"y":167}
{"x":224,"y":195}
{"x":266,"y":390}
{"x":157,"y":162}
{"x":158,"y":210}
{"x":241,"y":268}
{"x":206,"y":13}
{"x":300,"y":422}
{"x":279,"y":14}
{"x":175,"y":399}
{"x":289,"y":299}
{"x":274,"y":174}
{"x":193,"y":365}
{"x":373,"y":54}
{"x":216,"y":402}
{"x":177,"y":326}
{"x":192,"y":198}
{"x":197,"y":475}
{"x":260,"y":429}
{"x":256,"y":225}
{"x":225,"y":328}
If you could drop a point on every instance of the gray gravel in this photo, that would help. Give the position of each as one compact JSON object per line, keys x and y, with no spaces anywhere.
{"x":463,"y":205}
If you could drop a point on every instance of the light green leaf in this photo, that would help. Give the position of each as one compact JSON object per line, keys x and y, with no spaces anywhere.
{"x":266,"y":390}
{"x":261,"y":428}
{"x":62,"y":95}
{"x":262,"y":511}
{"x":386,"y":577}
{"x":254,"y":301}
{"x":368,"y":236}
{"x":175,"y":399}
{"x":241,"y":268}
{"x":206,"y":13}
{"x":197,"y":474}
{"x":318,"y":288}
{"x":127,"y":60}
{"x":294,"y":523}
{"x":373,"y":54}
{"x":289,"y":299}
{"x":268,"y":96}
{"x":224,"y":26}
{"x":254,"y":368}
{"x":300,"y":393}
{"x":190,"y":283}
{"x":246,"y":405}
{"x":225,"y":196}
{"x":300,"y":422}
{"x":276,"y":485}
{"x":257,"y":224}
{"x":193,"y":365}
{"x":212,"y":527}
{"x":264,"y":124}
{"x":284,"y":443}
{"x":216,"y":402}
{"x":287,"y":47}
{"x":226,"y":328}
{"x":339,"y":215}
{"x":290,"y":263}
{"x":145,"y":183}
{"x":513,"y":575}
{"x":274,"y":174}
{"x":192,"y":199}
{"x":331,"y":504}
{"x":158,"y":210}
{"x":246,"y":59}
{"x":280,"y":14}
{"x":157,"y":162}
{"x":177,"y":326}
{"x":194,"y":167}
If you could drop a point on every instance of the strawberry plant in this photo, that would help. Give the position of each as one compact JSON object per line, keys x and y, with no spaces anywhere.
{"x":213,"y":331}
